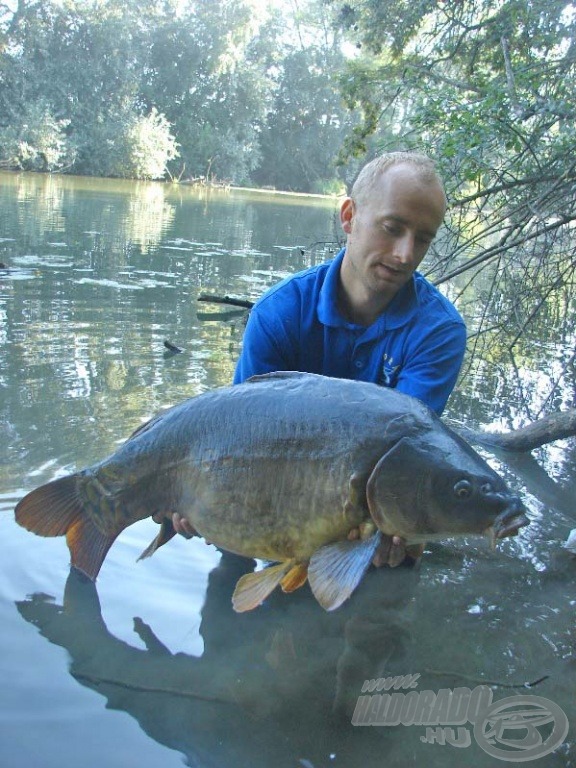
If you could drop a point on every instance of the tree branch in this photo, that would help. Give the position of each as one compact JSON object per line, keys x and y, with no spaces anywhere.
{"x":554,"y":426}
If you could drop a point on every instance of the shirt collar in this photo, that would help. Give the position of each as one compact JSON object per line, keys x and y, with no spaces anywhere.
{"x":399,"y":312}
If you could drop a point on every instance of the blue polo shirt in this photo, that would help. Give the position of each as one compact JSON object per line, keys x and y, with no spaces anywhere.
{"x":416,"y":345}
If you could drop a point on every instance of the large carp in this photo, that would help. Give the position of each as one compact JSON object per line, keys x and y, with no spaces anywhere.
{"x":282,"y":468}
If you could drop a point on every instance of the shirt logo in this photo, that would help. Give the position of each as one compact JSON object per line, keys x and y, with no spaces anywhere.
{"x":389,"y":371}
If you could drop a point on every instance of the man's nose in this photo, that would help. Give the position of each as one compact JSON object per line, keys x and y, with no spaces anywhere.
{"x":404,"y":248}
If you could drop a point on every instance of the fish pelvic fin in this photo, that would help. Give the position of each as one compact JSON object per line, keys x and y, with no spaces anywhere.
{"x":336,"y":570}
{"x":55,"y":509}
{"x":253,"y":588}
{"x":165,"y":533}
{"x":295,"y":578}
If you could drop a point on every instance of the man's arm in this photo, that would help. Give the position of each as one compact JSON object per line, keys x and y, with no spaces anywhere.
{"x":432,"y":369}
{"x":266,"y":347}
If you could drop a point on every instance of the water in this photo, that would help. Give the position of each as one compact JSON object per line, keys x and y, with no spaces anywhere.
{"x":151,"y":666}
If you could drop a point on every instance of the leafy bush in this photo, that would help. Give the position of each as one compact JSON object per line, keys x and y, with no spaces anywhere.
{"x":150,"y":146}
{"x":37,"y":142}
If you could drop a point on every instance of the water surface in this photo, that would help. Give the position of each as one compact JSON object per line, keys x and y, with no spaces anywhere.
{"x":151,"y":666}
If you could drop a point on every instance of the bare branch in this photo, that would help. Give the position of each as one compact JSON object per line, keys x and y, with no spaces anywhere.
{"x":554,"y":426}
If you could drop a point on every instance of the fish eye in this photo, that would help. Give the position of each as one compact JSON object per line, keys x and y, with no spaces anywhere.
{"x":463,"y":489}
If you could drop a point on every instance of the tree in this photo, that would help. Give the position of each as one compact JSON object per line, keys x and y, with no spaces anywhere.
{"x":305,"y":125}
{"x":487,"y":88}
{"x":36,"y":141}
{"x":206,"y":73}
{"x":306,"y":122}
{"x":70,"y":73}
{"x":249,"y":91}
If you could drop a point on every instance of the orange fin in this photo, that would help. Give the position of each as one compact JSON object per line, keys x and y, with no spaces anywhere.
{"x":88,"y":546}
{"x":336,"y":570}
{"x":253,"y":588}
{"x":51,"y":509}
{"x":165,"y":533}
{"x":55,"y":509}
{"x":295,"y":578}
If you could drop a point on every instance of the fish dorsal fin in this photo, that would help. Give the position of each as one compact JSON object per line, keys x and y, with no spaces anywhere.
{"x":278,"y":375}
{"x":165,"y":533}
{"x":336,"y":570}
{"x":253,"y":588}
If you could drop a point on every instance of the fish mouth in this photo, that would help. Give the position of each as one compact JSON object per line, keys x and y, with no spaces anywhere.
{"x":508,"y":522}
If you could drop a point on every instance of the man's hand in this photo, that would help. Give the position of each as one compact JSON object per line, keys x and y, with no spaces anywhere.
{"x":180,"y":524}
{"x":391,"y":551}
{"x":183,"y":527}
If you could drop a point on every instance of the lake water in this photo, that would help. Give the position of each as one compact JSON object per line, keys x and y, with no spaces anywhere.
{"x":151,"y":666}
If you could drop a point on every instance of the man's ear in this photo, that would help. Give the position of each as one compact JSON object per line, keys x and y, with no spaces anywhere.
{"x":347,"y":211}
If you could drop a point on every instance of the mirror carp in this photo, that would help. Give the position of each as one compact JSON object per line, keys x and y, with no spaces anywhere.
{"x":282,"y":468}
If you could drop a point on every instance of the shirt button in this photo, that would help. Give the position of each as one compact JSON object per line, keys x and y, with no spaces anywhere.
{"x":359,"y":363}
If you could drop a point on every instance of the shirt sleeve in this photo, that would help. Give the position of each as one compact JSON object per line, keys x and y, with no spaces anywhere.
{"x":431,"y":372}
{"x":266,"y":347}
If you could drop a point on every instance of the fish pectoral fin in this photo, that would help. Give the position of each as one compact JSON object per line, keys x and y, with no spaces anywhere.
{"x":253,"y":588}
{"x":165,"y":533}
{"x":295,"y":578}
{"x":336,"y":570}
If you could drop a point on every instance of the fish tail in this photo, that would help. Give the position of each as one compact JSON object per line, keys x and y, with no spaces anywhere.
{"x":55,"y":509}
{"x":253,"y":588}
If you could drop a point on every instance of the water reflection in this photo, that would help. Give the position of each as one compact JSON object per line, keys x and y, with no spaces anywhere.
{"x":272,"y":687}
{"x":278,"y":686}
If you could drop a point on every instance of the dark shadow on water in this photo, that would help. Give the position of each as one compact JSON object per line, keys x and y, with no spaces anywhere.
{"x":278,"y":686}
{"x":275,"y":686}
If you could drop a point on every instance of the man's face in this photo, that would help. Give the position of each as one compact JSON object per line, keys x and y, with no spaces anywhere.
{"x":390,"y":232}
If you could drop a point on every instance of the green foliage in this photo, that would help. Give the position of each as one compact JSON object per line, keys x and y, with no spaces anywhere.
{"x":149,"y":147}
{"x":306,"y":121}
{"x":305,"y":127}
{"x":126,"y":82}
{"x":489,"y":89}
{"x":36,"y":141}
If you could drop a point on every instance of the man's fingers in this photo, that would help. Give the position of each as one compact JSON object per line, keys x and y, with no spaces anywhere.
{"x":182,"y":526}
{"x":391,"y":551}
{"x":397,"y":553}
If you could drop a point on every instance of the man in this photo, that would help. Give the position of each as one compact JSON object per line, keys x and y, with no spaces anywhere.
{"x":368,"y":315}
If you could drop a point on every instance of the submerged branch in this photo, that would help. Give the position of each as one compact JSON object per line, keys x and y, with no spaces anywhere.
{"x":232,"y":300}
